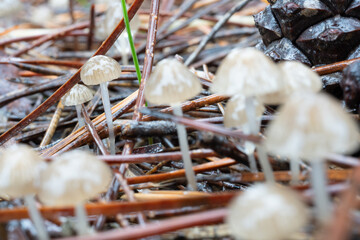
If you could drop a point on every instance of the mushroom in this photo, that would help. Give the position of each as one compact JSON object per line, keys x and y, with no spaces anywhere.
{"x":266,"y":211}
{"x":20,"y":167}
{"x":59,"y":5}
{"x":310,"y":126}
{"x":172,"y":83}
{"x":100,"y":70}
{"x":235,"y":116}
{"x":41,"y":15}
{"x":71,"y":179}
{"x":9,"y":8}
{"x":78,"y":95}
{"x":113,"y":16}
{"x":250,"y":73}
{"x":297,"y":77}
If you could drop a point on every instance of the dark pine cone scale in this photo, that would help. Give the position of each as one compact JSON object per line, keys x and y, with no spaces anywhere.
{"x":311,"y":31}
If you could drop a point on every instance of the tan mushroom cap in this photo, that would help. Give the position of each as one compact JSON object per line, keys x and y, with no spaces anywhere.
{"x":171,"y":82}
{"x":99,"y":69}
{"x":296,"y":77}
{"x":310,"y":126}
{"x":20,"y":168}
{"x":78,"y":94}
{"x":235,"y":112}
{"x":266,"y":211}
{"x":72,"y":178}
{"x":247,"y":71}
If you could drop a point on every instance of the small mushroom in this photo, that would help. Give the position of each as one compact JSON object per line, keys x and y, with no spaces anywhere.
{"x":310,"y":126}
{"x":100,"y":70}
{"x":297,"y":77}
{"x":20,"y":167}
{"x":266,"y":211}
{"x":113,"y":16}
{"x":78,"y":95}
{"x":250,"y":73}
{"x":172,"y":83}
{"x":235,"y":116}
{"x":73,"y":178}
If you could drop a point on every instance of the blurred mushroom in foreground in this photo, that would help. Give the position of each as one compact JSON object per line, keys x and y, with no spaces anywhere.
{"x":310,"y":126}
{"x":20,"y":168}
{"x":266,"y":211}
{"x":73,"y":178}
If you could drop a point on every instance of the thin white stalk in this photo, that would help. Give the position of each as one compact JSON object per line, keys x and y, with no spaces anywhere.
{"x":252,"y":162}
{"x":181,"y":131}
{"x":36,"y":217}
{"x":79,"y":116}
{"x":295,"y":171}
{"x":251,"y":114}
{"x":249,"y":150}
{"x":81,"y":121}
{"x":254,"y":129}
{"x":123,"y":52}
{"x":81,"y":224}
{"x":322,"y":198}
{"x":108,"y":115}
{"x":265,"y":164}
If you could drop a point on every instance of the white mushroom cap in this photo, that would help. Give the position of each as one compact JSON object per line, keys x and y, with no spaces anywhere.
{"x":9,"y":7}
{"x":20,"y":167}
{"x":266,"y":211}
{"x":235,"y":113}
{"x":113,"y":16}
{"x":59,"y":5}
{"x":171,"y":82}
{"x":41,"y":14}
{"x":73,"y":178}
{"x":248,"y":72}
{"x":78,"y":94}
{"x":310,"y":126}
{"x":296,"y":77}
{"x":99,"y":69}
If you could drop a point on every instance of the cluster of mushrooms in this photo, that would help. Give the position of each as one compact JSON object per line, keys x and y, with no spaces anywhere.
{"x":309,"y":126}
{"x":69,"y":179}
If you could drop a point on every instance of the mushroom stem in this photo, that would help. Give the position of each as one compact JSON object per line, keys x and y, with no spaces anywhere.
{"x":322,"y":199}
{"x":36,"y":217}
{"x":184,"y":147}
{"x":108,"y":115}
{"x":249,"y":150}
{"x":252,"y":162}
{"x":254,"y":129}
{"x":265,"y":165}
{"x":120,"y":45}
{"x":295,"y":171}
{"x":79,"y":116}
{"x":82,"y":225}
